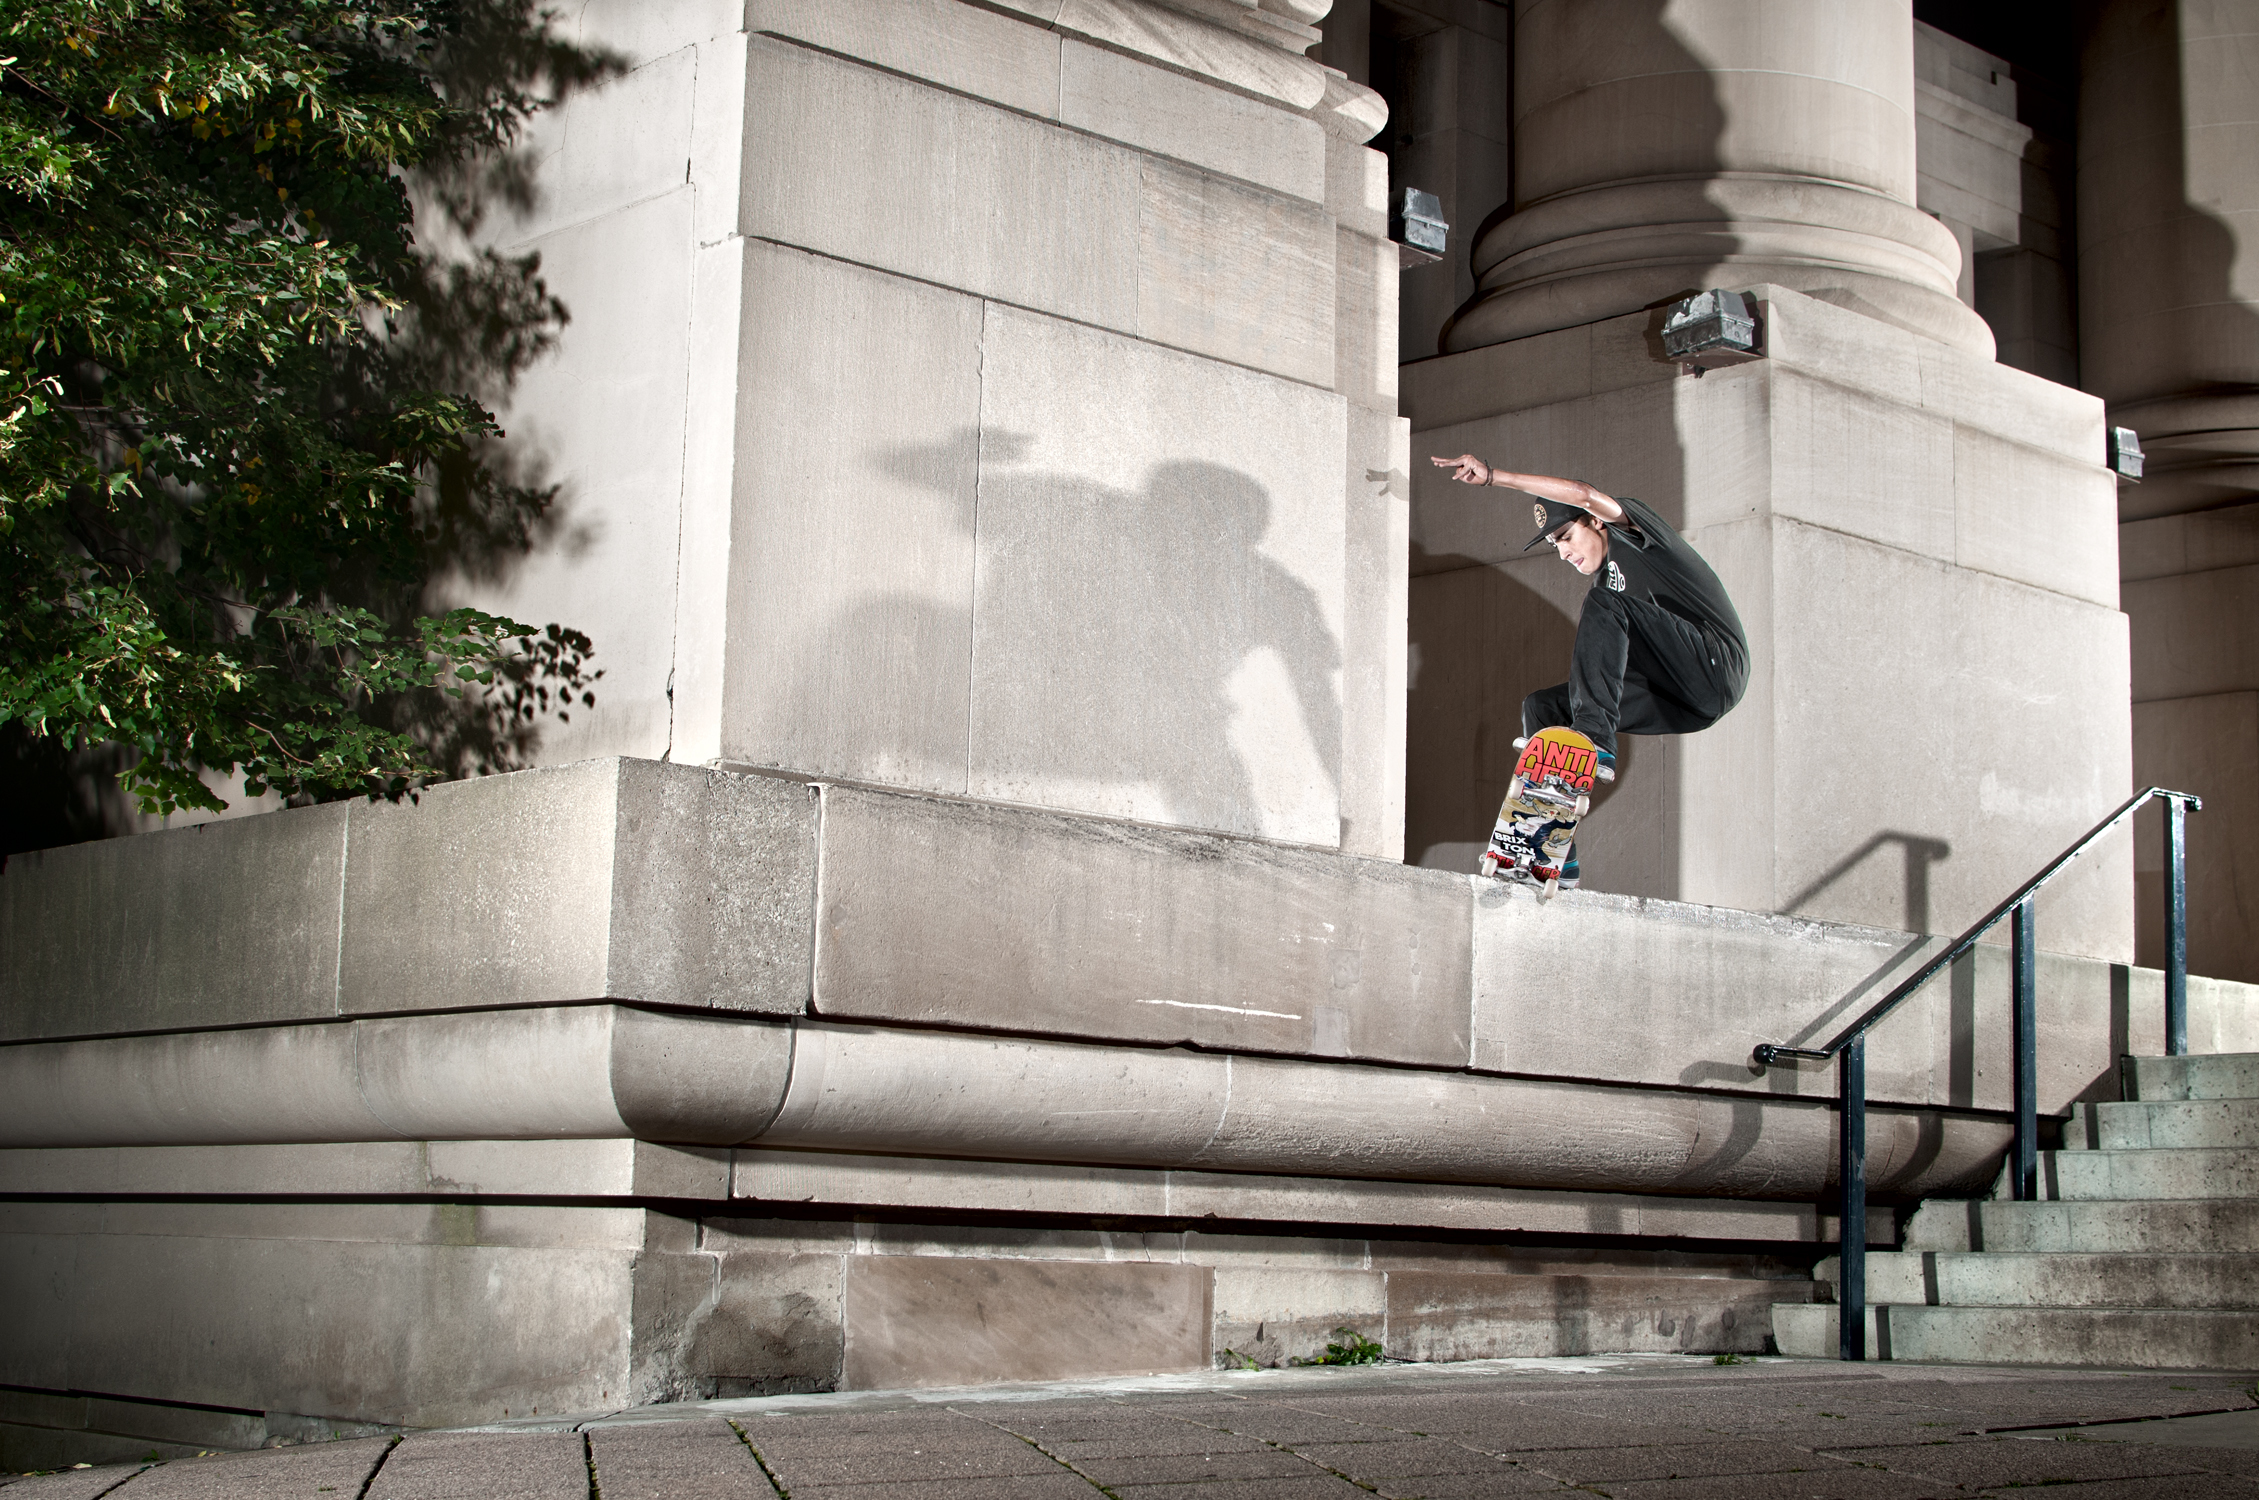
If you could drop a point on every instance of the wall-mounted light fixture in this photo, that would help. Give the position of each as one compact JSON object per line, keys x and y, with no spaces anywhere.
{"x":1711,"y":329}
{"x":2125,"y":454}
{"x":1417,"y":226}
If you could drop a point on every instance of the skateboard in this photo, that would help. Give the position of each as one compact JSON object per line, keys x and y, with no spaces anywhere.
{"x":1551,"y":790}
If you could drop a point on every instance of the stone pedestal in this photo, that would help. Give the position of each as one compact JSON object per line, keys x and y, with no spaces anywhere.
{"x":1662,"y":150}
{"x":1920,"y":544}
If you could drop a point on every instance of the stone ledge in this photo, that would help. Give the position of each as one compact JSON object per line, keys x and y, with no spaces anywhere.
{"x":697,"y":890}
{"x":609,"y":879}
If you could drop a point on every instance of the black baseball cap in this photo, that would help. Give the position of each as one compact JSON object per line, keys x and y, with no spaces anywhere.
{"x":1552,"y":515}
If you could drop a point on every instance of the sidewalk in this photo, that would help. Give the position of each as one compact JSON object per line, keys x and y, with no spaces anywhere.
{"x":1666,"y":1427}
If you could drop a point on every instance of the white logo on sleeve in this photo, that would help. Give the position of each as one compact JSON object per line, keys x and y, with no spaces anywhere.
{"x":1615,"y":577}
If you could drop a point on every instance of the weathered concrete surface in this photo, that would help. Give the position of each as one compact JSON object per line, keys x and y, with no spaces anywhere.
{"x":586,"y":1071}
{"x":2166,"y":1226}
{"x":120,"y":934}
{"x":936,"y":911}
{"x":2225,"y":1075}
{"x":1442,"y":1315}
{"x":282,"y":1317}
{"x":2215,"y":1279}
{"x":593,"y":1169}
{"x":609,"y":879}
{"x":914,"y":1320}
{"x":2130,"y":1338}
{"x":1946,"y":1045}
{"x":2142,"y":1124}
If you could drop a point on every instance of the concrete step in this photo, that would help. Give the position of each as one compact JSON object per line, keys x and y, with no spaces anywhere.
{"x":1995,"y":1278}
{"x":2169,"y":1226}
{"x":2184,"y":1172}
{"x":2148,"y":1338}
{"x":2220,"y":1075}
{"x":2154,"y":1124}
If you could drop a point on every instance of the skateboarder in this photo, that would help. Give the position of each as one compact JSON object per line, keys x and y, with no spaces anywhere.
{"x":1659,"y":649}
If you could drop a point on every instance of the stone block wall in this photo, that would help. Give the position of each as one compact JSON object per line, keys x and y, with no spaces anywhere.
{"x":775,"y":1086}
{"x":993,"y":400}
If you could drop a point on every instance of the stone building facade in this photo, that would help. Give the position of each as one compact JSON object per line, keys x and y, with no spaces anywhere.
{"x":1007,"y":912}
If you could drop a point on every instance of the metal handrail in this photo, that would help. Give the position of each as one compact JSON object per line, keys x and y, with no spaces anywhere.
{"x":1850,"y":1046}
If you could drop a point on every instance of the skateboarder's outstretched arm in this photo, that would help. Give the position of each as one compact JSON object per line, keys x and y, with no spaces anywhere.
{"x":1468,"y":469}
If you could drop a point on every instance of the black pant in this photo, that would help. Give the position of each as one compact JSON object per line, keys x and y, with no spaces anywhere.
{"x":1640,"y":669}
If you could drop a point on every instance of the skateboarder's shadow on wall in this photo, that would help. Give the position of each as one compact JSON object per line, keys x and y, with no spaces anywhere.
{"x":1141,"y":653}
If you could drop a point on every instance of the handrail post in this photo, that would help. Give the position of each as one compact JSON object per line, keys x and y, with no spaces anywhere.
{"x":1851,"y":1173}
{"x":2023,"y":963}
{"x":2176,"y":927}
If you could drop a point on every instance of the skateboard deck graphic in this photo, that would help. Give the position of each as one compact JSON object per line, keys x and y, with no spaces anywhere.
{"x":1551,"y":790}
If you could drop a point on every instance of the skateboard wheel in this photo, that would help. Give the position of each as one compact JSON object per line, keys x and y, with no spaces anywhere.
{"x":1489,"y":865}
{"x":1521,"y":742}
{"x":1546,"y":888}
{"x":1584,"y":805}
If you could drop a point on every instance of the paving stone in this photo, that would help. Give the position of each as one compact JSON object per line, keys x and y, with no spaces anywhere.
{"x":306,"y":1473}
{"x":676,"y":1461}
{"x":1411,"y":1456}
{"x":73,"y":1484}
{"x":1979,"y":1463}
{"x":1505,"y":1480}
{"x":1843,"y":1484}
{"x":1122,"y":1432}
{"x":1528,"y":1431}
{"x":1057,"y":1485}
{"x":910,"y":1429}
{"x":2243,"y":1461}
{"x":1291,"y":1425}
{"x":1201,"y":1468}
{"x":1185,"y":1441}
{"x":2210,"y":1487}
{"x":488,"y":1465}
{"x":1319,"y":1487}
{"x":1672,"y":1461}
{"x":974,"y":1453}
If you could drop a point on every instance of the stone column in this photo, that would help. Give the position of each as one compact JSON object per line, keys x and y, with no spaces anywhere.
{"x":1921,"y":541}
{"x":2168,"y":286}
{"x":1665,"y":147}
{"x":2169,"y":336}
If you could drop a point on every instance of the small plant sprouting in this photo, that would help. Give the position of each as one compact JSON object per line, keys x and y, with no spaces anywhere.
{"x":1353,"y":1349}
{"x":1232,"y":1359}
{"x":1727,"y":1359}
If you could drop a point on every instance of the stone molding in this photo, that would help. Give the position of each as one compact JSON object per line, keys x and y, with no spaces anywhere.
{"x":559,"y":1073}
{"x":1596,"y":252}
{"x":609,"y":1071}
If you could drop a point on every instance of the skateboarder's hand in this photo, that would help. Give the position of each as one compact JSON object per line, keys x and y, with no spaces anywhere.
{"x":1467,"y":468}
